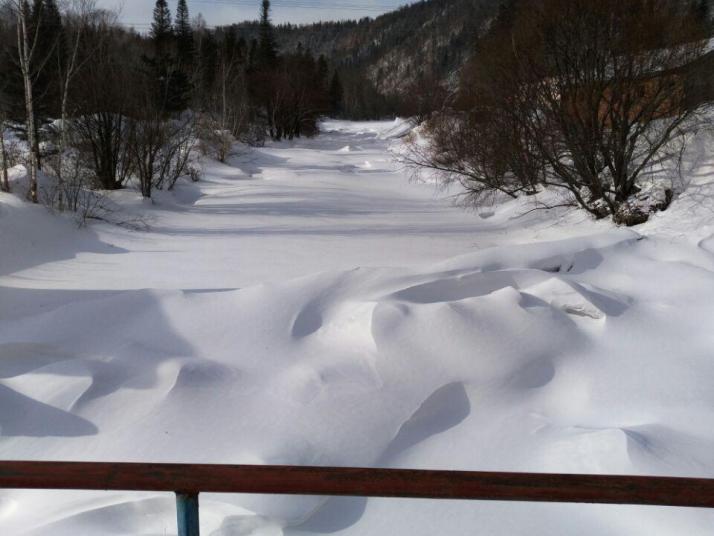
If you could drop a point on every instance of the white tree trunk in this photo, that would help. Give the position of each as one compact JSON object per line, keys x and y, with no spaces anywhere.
{"x":25,"y":53}
{"x":5,"y":182}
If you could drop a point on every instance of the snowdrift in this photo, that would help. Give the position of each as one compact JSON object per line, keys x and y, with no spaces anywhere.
{"x":563,"y":356}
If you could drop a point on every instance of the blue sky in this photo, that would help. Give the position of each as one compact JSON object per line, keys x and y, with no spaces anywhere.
{"x":219,"y":12}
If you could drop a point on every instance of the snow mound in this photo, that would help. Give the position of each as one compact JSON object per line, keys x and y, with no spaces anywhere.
{"x":552,"y":356}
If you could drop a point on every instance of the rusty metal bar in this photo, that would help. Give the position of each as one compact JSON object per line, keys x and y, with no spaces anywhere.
{"x":193,"y":479}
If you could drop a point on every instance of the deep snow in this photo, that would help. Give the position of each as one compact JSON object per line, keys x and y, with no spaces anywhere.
{"x":308,"y":304}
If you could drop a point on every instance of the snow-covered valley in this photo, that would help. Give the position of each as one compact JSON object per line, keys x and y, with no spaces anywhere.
{"x":309,"y":304}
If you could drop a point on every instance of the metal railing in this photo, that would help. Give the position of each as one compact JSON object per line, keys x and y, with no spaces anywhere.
{"x":188,"y":480}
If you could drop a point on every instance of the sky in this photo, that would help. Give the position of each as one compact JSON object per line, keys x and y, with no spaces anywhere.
{"x":220,"y":12}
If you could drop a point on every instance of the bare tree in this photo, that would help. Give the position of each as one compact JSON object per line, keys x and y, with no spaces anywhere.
{"x":79,"y":14}
{"x":160,"y":150}
{"x":608,"y":79}
{"x":4,"y":179}
{"x":158,"y":144}
{"x":103,"y":95}
{"x":27,"y":53}
{"x":426,"y":95}
{"x":227,"y":115}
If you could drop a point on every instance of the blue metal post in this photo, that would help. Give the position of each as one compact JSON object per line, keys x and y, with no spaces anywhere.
{"x":187,"y":514}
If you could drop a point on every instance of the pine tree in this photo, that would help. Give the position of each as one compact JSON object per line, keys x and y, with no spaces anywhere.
{"x":173,"y":88}
{"x":184,"y":35}
{"x":267,"y":49}
{"x":161,"y":31}
{"x":178,"y":92}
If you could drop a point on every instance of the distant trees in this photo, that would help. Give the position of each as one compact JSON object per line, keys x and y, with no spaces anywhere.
{"x":336,"y":95}
{"x":227,"y":113}
{"x":361,"y":99}
{"x":100,"y":107}
{"x":184,"y":38}
{"x":171,"y":81}
{"x":290,"y":91}
{"x":586,"y":97}
{"x":426,"y":95}
{"x":161,"y":29}
{"x":267,"y":53}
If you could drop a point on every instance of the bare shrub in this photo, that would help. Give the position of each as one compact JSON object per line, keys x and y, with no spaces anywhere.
{"x":586,"y":97}
{"x":215,"y":141}
{"x":160,"y":149}
{"x":75,"y":192}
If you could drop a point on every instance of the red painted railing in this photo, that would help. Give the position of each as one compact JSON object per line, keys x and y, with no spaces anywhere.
{"x":188,"y":480}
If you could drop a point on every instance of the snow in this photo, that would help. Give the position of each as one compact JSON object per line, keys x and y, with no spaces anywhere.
{"x":300,"y":307}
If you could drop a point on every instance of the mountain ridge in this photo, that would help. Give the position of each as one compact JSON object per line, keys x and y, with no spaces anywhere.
{"x":428,"y":38}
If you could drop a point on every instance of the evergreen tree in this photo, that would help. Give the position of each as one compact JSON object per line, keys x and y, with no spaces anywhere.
{"x":267,"y":49}
{"x":336,"y":95}
{"x":184,"y":35}
{"x":172,"y":85}
{"x":161,"y":31}
{"x":178,"y":92}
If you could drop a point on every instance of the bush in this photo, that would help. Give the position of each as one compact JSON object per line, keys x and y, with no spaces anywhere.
{"x":586,"y":97}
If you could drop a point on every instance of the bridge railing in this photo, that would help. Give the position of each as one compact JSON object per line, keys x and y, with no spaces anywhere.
{"x":187,"y":481}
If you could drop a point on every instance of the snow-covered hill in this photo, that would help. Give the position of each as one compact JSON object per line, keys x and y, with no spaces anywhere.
{"x":310,"y":305}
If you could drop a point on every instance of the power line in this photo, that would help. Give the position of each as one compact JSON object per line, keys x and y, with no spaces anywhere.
{"x":302,"y":4}
{"x":351,"y":6}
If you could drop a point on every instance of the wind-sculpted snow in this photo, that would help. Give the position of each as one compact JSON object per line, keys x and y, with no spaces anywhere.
{"x":587,"y":354}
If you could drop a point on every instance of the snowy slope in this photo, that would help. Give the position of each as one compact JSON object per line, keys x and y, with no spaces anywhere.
{"x":309,"y":305}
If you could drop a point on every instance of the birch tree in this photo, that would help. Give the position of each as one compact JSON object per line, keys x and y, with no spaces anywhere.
{"x":26,"y":52}
{"x":4,"y":179}
{"x":80,"y":12}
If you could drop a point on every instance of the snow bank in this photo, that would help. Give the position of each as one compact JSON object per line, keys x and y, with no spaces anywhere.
{"x":384,"y":130}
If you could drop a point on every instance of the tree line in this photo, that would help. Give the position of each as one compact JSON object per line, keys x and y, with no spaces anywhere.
{"x":594,"y":99}
{"x":98,"y":105}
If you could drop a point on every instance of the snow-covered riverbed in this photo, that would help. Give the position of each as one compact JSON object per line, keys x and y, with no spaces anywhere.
{"x":308,"y":304}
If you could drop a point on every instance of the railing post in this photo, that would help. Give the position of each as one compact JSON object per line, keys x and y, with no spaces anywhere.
{"x":187,"y":514}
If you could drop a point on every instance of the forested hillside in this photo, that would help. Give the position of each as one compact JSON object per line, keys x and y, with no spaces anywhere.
{"x":418,"y":44}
